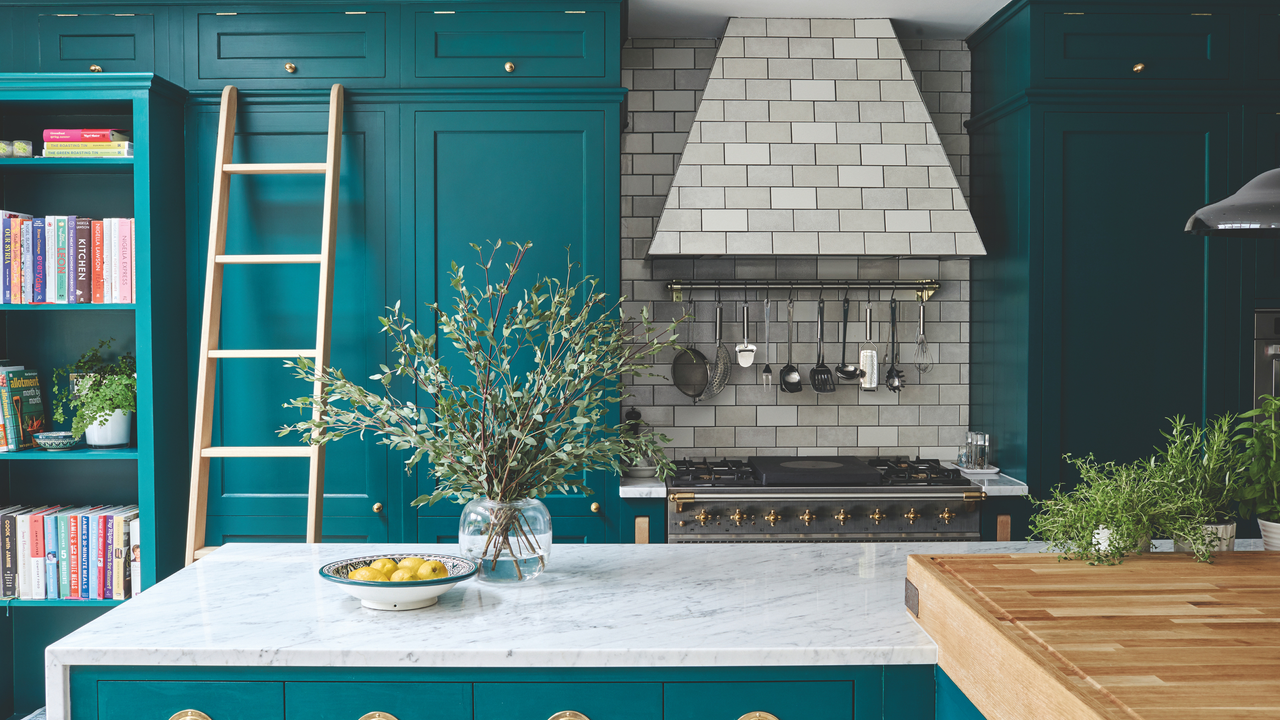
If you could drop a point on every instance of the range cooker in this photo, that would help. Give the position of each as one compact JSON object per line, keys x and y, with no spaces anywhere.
{"x":820,"y":499}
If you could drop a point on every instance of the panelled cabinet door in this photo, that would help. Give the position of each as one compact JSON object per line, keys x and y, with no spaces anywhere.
{"x":596,"y":701}
{"x":532,"y":175}
{"x":96,"y":42}
{"x":354,"y":700}
{"x":275,"y":306}
{"x":131,"y":700}
{"x":1119,"y":270}
{"x":734,"y":700}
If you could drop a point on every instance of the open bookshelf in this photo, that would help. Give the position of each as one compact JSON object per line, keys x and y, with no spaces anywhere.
{"x":152,"y":471}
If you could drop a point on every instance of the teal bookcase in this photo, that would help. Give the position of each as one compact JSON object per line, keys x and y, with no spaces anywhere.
{"x":152,"y":472}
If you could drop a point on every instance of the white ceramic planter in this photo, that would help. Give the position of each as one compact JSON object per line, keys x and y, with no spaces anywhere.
{"x":1270,"y":535}
{"x":114,"y":432}
{"x":1226,"y":533}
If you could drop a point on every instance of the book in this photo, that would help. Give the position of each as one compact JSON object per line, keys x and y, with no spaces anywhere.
{"x":133,"y":256}
{"x":84,"y":135}
{"x":6,"y":259}
{"x":60,"y":269}
{"x":73,"y":555}
{"x":126,"y":261}
{"x":28,"y":407}
{"x":96,"y":271}
{"x":51,"y":259}
{"x":110,"y":239}
{"x":28,"y":262}
{"x":36,"y":559}
{"x":15,"y":273}
{"x":121,"y":553}
{"x":85,"y":579}
{"x":133,"y":541}
{"x":84,"y":284}
{"x":8,"y":554}
{"x":109,"y":152}
{"x":87,"y":145}
{"x":23,"y":545}
{"x":38,"y":262}
{"x":64,"y":553}
{"x":51,"y":555}
{"x":10,"y":422}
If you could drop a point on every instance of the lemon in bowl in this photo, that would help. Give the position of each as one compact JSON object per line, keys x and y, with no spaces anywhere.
{"x":414,"y":581}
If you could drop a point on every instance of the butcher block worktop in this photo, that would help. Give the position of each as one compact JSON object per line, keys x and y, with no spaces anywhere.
{"x":1159,"y":637}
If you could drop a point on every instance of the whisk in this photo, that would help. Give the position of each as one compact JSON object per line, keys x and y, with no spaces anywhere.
{"x":924,"y":360}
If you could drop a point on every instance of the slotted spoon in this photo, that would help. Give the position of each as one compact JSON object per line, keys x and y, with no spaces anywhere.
{"x":820,"y":376}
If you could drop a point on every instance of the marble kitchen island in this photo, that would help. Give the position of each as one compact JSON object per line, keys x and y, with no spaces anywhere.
{"x":814,"y":631}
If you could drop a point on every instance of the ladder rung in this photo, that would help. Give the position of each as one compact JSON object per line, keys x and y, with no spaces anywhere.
{"x":267,"y":259}
{"x":275,"y":168}
{"x":206,"y":550}
{"x":263,"y":353}
{"x":283,"y":451}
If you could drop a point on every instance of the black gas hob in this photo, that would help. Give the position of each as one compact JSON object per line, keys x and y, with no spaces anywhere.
{"x":813,"y":472}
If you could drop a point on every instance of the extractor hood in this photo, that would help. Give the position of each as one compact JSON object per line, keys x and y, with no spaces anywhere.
{"x":812,"y":139}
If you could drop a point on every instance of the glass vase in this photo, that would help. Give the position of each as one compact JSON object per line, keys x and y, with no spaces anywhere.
{"x":510,"y":541}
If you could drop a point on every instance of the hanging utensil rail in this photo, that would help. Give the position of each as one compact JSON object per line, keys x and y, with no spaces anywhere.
{"x":924,"y":289}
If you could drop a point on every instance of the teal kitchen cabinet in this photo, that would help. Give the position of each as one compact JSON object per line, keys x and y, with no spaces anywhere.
{"x":78,"y":39}
{"x":1137,"y":47}
{"x":400,"y":700}
{"x":596,"y":700}
{"x":125,"y":700}
{"x":784,"y":700}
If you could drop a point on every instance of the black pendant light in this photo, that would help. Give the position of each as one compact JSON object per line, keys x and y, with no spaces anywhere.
{"x":1253,"y":212}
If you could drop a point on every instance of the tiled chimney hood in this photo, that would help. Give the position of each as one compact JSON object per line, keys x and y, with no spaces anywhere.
{"x":812,"y":139}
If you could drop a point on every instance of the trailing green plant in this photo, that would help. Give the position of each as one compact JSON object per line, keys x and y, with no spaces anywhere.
{"x":95,"y":388}
{"x":1259,"y":434}
{"x":1113,"y":498}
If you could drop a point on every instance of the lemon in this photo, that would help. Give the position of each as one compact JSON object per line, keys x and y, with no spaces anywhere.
{"x":403,"y":575}
{"x":384,"y":565}
{"x":370,"y":574}
{"x":411,"y":563}
{"x":432,"y":569}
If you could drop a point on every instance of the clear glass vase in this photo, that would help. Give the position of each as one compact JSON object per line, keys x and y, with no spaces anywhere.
{"x":510,"y":541}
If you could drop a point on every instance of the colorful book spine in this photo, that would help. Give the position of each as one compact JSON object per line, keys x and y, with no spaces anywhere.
{"x":97,"y":261}
{"x":51,"y":557}
{"x":20,"y":564}
{"x":90,"y":145}
{"x":35,"y":561}
{"x":126,"y":261}
{"x":15,"y":274}
{"x":84,"y":284}
{"x":12,"y":432}
{"x":133,"y":541}
{"x":38,"y":255}
{"x":109,"y":555}
{"x":50,"y":259}
{"x":73,"y":560}
{"x":6,"y":259}
{"x":84,"y":135}
{"x":28,"y":406}
{"x":85,"y":563}
{"x":8,"y":554}
{"x":28,"y":261}
{"x":110,"y":235}
{"x":61,"y":267}
{"x":64,"y":555}
{"x":109,"y":152}
{"x":133,"y":255}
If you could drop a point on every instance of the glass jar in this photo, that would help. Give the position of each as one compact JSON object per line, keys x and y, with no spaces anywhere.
{"x":510,"y":541}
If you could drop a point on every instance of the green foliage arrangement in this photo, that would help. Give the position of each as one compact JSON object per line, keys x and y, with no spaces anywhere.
{"x":1110,"y":497}
{"x":1259,"y":435}
{"x":95,"y":388}
{"x":487,"y":429}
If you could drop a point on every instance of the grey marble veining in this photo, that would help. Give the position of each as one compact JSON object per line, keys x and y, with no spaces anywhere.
{"x":596,"y":606}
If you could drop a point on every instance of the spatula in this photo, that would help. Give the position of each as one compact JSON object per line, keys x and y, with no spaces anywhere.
{"x":746,"y":351}
{"x":820,"y":376}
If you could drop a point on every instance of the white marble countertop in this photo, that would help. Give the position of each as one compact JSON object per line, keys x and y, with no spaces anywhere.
{"x":596,"y":606}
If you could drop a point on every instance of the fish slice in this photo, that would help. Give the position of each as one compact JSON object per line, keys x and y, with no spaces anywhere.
{"x":746,"y":351}
{"x":820,"y":376}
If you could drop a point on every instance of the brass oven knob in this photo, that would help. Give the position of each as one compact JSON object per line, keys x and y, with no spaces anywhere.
{"x":377,"y":508}
{"x":759,"y":715}
{"x":189,"y":715}
{"x":773,"y":517}
{"x":568,"y":715}
{"x":877,"y":516}
{"x":842,"y":516}
{"x":703,"y":516}
{"x":595,"y":507}
{"x":1139,"y":67}
{"x":947,"y":515}
{"x":913,"y":516}
{"x":808,"y":517}
{"x":290,"y":67}
{"x":738,"y":516}
{"x":510,"y":67}
{"x":95,"y":68}
{"x":378,"y":716}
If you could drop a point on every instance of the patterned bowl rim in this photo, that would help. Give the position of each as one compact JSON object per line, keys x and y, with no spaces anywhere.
{"x":327,"y":571}
{"x":52,"y":433}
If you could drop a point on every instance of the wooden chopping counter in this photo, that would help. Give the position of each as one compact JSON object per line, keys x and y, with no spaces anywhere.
{"x":1160,"y":637}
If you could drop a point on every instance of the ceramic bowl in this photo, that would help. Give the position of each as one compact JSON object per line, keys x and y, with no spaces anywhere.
{"x":55,"y":440}
{"x":402,"y":595}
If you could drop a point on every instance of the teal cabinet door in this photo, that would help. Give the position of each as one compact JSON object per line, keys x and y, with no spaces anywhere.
{"x":537,"y":174}
{"x":598,"y":701}
{"x":783,"y":700}
{"x":399,"y":700}
{"x":1111,"y":46}
{"x":114,"y":43}
{"x":274,"y":306}
{"x":128,"y":700}
{"x":1120,"y":274}
{"x":481,"y":42}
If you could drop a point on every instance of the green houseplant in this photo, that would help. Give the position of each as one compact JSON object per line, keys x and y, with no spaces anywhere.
{"x":1259,"y":489}
{"x":1109,"y":514}
{"x":1197,"y":475}
{"x":102,"y":394}
{"x":498,"y":437}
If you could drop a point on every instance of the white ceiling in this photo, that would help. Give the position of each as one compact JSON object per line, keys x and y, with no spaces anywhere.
{"x":949,"y":19}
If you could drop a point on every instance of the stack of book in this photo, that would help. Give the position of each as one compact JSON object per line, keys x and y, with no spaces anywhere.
{"x":23,"y":413}
{"x":66,"y":259}
{"x":70,"y":553}
{"x":84,"y":143}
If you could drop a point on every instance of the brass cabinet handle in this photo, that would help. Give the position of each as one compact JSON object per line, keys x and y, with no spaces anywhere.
{"x":95,"y":68}
{"x":290,"y":67}
{"x":759,"y":715}
{"x":378,"y":716}
{"x":913,"y":516}
{"x":595,"y":507}
{"x":510,"y":67}
{"x":568,"y":714}
{"x":947,"y":515}
{"x":1139,"y":67}
{"x":377,"y":508}
{"x":190,"y":715}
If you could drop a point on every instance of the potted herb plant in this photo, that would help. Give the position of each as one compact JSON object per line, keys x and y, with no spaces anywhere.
{"x":1109,"y":514}
{"x":102,"y":393}
{"x":1259,"y":489}
{"x":518,"y":406}
{"x":1196,"y":476}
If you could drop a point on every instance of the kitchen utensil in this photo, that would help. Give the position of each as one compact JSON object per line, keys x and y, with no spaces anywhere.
{"x":766,"y":376}
{"x":868,"y":363}
{"x":893,"y":378}
{"x":820,"y":376}
{"x":924,"y":360}
{"x":746,"y":351}
{"x":844,"y":369}
{"x":689,"y":372}
{"x":409,"y":595}
{"x":790,"y":382}
{"x":718,"y":374}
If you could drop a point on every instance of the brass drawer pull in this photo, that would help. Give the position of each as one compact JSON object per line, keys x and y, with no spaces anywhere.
{"x":377,"y":508}
{"x":95,"y":68}
{"x":568,"y":714}
{"x":1139,"y":67}
{"x":190,"y":715}
{"x":378,"y":716}
{"x":595,"y":507}
{"x":510,"y":66}
{"x":759,"y":715}
{"x":290,"y":67}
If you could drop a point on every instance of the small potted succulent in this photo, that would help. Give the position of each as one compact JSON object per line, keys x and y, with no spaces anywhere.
{"x":102,"y":393}
{"x":1259,"y":489}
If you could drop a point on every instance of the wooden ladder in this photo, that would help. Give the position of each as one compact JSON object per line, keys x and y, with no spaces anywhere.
{"x":210,"y":352}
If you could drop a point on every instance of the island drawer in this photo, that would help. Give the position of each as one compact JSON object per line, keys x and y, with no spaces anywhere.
{"x":128,"y":700}
{"x":81,"y":42}
{"x":508,"y":41}
{"x":734,"y":700}
{"x":1136,"y":46}
{"x":299,"y":48}
{"x":598,"y":701}
{"x":402,"y":700}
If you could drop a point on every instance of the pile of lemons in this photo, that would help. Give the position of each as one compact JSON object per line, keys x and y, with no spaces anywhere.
{"x":408,"y":569}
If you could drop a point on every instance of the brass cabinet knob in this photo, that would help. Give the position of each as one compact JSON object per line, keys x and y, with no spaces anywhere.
{"x":842,"y":516}
{"x":95,"y":68}
{"x":759,"y":715}
{"x":568,"y":714}
{"x":738,"y":516}
{"x":773,"y":517}
{"x":808,"y":517}
{"x":1139,"y":67}
{"x":877,"y":516}
{"x":912,"y":515}
{"x":947,"y":515}
{"x":703,"y":516}
{"x":190,"y":715}
{"x":290,"y":67}
{"x":510,"y":67}
{"x":377,"y":508}
{"x":595,"y":507}
{"x":378,"y":716}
